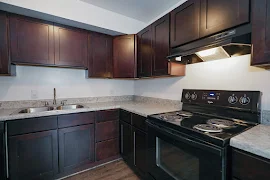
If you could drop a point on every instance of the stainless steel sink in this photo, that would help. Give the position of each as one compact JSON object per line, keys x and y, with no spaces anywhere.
{"x":67,"y":107}
{"x":36,"y":110}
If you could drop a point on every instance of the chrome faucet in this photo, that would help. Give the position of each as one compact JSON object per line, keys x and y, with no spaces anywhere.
{"x":54,"y":96}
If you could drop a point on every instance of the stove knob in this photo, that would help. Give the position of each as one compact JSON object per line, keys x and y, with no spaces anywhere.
{"x":187,"y":95}
{"x":244,"y":100}
{"x":232,"y":99}
{"x":194,"y":96}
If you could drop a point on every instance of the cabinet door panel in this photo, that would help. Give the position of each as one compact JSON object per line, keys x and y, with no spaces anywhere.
{"x":2,"y":152}
{"x":218,"y":15}
{"x":70,"y":47}
{"x":33,"y":156}
{"x":140,"y":152}
{"x":161,"y":46}
{"x":107,"y":115}
{"x":246,"y":166}
{"x":107,"y":149}
{"x":76,"y":147}
{"x":185,"y":23}
{"x":145,"y":52}
{"x":124,"y":56}
{"x":107,"y":130}
{"x":261,"y":32}
{"x":100,"y":56}
{"x":31,"y":41}
{"x":126,"y":143}
{"x":4,"y":57}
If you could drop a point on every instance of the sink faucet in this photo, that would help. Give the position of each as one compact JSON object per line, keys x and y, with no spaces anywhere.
{"x":54,"y":96}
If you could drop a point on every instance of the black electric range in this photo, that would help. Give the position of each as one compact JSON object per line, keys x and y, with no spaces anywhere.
{"x":198,"y":136}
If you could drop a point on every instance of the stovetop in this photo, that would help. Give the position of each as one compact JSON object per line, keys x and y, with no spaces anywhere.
{"x":206,"y":127}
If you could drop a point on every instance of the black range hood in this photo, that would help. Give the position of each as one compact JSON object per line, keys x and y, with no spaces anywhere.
{"x":231,"y":43}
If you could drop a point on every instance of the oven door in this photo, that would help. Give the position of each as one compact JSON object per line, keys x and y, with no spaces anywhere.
{"x":172,"y":156}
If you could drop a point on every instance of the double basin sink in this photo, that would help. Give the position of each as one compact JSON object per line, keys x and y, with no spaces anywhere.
{"x":44,"y":109}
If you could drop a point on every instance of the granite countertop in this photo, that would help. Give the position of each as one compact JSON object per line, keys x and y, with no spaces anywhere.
{"x":140,"y":108}
{"x":254,"y":140}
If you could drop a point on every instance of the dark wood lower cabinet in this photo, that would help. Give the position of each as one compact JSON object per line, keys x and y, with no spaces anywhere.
{"x":246,"y":166}
{"x":140,"y":150}
{"x":126,"y":142}
{"x":107,"y":149}
{"x":76,"y":146}
{"x":33,"y":156}
{"x":2,"y":153}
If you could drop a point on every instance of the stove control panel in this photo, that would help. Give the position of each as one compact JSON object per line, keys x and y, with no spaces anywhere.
{"x":238,"y":99}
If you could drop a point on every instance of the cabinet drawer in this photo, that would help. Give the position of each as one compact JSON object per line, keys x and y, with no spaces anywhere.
{"x":25,"y":126}
{"x":107,"y":115}
{"x":76,"y":119}
{"x":107,"y":130}
{"x":107,"y":149}
{"x":139,"y":122}
{"x":249,"y":167}
{"x":125,"y":116}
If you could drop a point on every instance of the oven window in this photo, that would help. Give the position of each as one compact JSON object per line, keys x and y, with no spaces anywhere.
{"x":176,"y":162}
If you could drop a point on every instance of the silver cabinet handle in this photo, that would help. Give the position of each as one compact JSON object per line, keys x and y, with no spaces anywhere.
{"x":6,"y":147}
{"x":134,"y":148}
{"x":122,"y":137}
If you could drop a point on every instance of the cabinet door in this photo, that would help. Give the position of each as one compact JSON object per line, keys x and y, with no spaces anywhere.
{"x":218,"y":15}
{"x":107,"y":149}
{"x":31,"y":41}
{"x":70,"y":47}
{"x":124,"y":56}
{"x":140,"y":150}
{"x":2,"y":153}
{"x":5,"y":66}
{"x":261,"y":32}
{"x":126,"y":143}
{"x":33,"y":156}
{"x":161,"y":46}
{"x":185,"y":23}
{"x":145,"y":52}
{"x":107,"y":130}
{"x":246,"y":166}
{"x":76,"y":146}
{"x":100,"y":56}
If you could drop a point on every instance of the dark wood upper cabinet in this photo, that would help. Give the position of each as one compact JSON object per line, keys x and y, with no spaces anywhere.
{"x":76,"y":147}
{"x":219,"y":15}
{"x":70,"y":47}
{"x":261,"y":33}
{"x":185,"y":22}
{"x":31,"y":41}
{"x":145,"y":52}
{"x":161,"y":45}
{"x":100,"y":56}
{"x":33,"y":156}
{"x":5,"y":64}
{"x":125,"y":56}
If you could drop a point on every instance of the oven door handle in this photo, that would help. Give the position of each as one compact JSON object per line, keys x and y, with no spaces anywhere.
{"x":191,"y":142}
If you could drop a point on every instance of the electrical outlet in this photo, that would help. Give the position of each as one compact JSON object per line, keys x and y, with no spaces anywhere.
{"x":34,"y":94}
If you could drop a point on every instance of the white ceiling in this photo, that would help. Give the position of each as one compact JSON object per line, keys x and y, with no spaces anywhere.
{"x":142,"y":10}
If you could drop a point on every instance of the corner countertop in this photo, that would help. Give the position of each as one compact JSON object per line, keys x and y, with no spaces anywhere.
{"x":255,"y":140}
{"x":140,"y":108}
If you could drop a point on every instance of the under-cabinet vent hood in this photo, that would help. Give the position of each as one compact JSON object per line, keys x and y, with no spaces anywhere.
{"x":231,"y":43}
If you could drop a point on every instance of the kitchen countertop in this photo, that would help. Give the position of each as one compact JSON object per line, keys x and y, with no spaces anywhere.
{"x":140,"y":108}
{"x":255,"y":140}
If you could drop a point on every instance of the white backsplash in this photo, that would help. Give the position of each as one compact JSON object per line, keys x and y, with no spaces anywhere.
{"x":227,"y":74}
{"x":69,"y":83}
